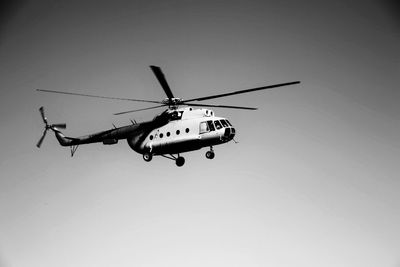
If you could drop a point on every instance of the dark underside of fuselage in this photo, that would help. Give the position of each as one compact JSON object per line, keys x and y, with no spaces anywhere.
{"x":176,"y":148}
{"x":186,"y":146}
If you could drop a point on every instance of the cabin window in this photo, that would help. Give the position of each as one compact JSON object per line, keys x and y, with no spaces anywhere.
{"x":178,"y":132}
{"x":211,"y":125}
{"x":217,"y":125}
{"x":161,"y":135}
{"x":224,"y":123}
{"x":168,"y":133}
{"x":151,"y":137}
{"x":204,"y":127}
{"x":187,"y":130}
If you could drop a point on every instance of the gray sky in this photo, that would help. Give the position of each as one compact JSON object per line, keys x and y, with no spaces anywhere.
{"x":313,"y":181}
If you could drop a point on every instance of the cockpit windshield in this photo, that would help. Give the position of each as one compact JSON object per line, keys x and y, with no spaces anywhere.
{"x":223,"y":122}
{"x":217,"y":125}
{"x":211,"y":125}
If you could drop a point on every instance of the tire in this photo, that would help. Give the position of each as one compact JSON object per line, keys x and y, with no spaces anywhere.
{"x":210,"y":154}
{"x":147,"y":157}
{"x":180,"y":161}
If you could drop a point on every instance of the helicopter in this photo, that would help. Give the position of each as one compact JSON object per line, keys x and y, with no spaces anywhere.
{"x":179,"y":129}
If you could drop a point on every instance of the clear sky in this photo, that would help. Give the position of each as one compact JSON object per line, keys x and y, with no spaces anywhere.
{"x":313,"y":181}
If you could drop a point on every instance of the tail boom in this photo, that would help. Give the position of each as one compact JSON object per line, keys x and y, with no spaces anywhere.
{"x":107,"y":137}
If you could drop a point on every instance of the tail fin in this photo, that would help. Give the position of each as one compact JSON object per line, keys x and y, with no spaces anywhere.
{"x":62,"y":139}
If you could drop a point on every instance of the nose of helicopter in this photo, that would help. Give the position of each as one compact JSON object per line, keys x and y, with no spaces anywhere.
{"x":229,"y":133}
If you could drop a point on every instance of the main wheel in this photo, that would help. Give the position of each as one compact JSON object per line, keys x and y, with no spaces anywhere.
{"x":147,"y":156}
{"x":180,"y":161}
{"x":210,"y":154}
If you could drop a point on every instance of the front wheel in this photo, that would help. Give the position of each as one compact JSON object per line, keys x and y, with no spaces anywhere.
{"x":210,"y":154}
{"x":147,"y":157}
{"x":180,"y":161}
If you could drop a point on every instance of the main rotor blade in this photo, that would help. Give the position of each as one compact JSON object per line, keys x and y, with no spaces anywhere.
{"x":161,"y":79}
{"x":129,"y":111}
{"x":241,"y":91}
{"x":39,"y":143}
{"x":221,"y":106}
{"x":41,"y":109}
{"x":98,"y":96}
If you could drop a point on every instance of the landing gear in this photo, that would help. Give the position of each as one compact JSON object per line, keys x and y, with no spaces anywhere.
{"x":210,"y":154}
{"x":180,"y":161}
{"x":147,"y":157}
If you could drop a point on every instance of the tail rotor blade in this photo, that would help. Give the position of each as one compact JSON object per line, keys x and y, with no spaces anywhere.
{"x":41,"y":109}
{"x":59,"y":125}
{"x":39,"y":143}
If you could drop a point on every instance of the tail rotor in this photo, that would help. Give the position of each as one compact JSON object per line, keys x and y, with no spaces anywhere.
{"x":48,"y":126}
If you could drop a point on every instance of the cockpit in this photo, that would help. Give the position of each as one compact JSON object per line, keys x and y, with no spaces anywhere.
{"x":215,"y":125}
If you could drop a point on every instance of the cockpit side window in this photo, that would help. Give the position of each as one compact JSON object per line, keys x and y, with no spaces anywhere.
{"x":204,"y":127}
{"x":228,"y":122}
{"x":211,"y":125}
{"x":217,"y":125}
{"x":224,"y":123}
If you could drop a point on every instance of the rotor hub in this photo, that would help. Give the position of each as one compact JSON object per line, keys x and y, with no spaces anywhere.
{"x":172,"y":101}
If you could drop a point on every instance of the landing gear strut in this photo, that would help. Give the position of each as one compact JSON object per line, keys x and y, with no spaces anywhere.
{"x":210,"y":154}
{"x":179,"y":161}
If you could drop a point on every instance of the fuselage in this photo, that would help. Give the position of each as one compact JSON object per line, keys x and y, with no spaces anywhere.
{"x":188,"y":129}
